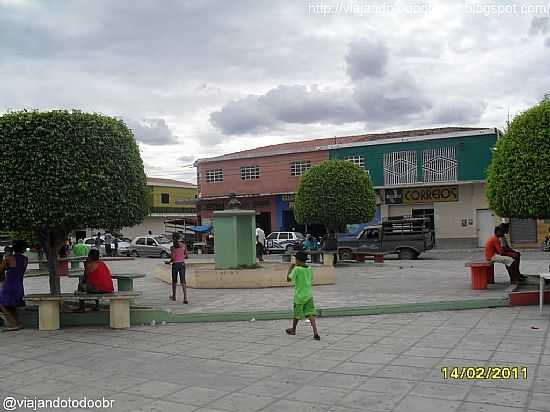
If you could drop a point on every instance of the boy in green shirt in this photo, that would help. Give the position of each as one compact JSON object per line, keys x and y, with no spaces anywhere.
{"x":302,"y":275}
{"x":80,"y":249}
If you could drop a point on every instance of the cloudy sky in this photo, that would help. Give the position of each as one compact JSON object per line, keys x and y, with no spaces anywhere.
{"x":201,"y":78}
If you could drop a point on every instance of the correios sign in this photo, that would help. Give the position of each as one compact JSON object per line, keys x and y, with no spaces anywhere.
{"x":424,"y":194}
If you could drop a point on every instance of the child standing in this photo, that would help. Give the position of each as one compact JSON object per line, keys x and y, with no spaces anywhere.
{"x":302,"y":275}
{"x":178,"y":252}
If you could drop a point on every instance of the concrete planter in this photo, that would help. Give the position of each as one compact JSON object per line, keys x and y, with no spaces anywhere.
{"x":268,"y":275}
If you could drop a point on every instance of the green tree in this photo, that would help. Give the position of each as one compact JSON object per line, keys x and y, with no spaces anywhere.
{"x":62,"y":170}
{"x":518,"y":179}
{"x":335,"y":192}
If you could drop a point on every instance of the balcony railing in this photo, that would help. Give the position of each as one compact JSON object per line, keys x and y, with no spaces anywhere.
{"x":173,"y":210}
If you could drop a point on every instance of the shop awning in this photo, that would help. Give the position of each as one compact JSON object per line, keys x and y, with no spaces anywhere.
{"x":201,"y":228}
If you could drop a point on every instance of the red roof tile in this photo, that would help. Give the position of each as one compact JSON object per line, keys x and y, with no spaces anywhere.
{"x":337,"y":140}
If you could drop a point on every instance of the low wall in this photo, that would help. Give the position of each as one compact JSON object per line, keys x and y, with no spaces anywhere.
{"x":268,"y":275}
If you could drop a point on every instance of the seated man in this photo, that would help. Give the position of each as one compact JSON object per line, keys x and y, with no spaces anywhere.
{"x":494,"y":253}
{"x":507,"y":249}
{"x":97,"y":277}
{"x":310,"y":243}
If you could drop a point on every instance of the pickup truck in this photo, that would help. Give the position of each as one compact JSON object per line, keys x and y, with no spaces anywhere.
{"x":407,"y":237}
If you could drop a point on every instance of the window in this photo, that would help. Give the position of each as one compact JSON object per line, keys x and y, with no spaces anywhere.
{"x":214,"y":175}
{"x":272,"y":236}
{"x":439,"y":164}
{"x":151,"y":242}
{"x":400,"y":168}
{"x":300,"y":167}
{"x":250,"y":172}
{"x":357,"y":160}
{"x":165,"y":198}
{"x":140,"y":241}
{"x":284,"y":236}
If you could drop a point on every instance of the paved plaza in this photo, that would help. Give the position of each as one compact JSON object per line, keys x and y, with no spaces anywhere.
{"x":371,"y":363}
{"x":439,"y":276}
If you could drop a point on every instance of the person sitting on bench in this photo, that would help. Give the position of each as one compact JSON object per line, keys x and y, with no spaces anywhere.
{"x":97,"y":277}
{"x":494,"y":253}
{"x":507,"y":249}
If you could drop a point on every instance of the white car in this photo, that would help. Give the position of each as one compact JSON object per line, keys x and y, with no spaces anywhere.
{"x":151,"y":245}
{"x":124,"y":247}
{"x":284,"y":241}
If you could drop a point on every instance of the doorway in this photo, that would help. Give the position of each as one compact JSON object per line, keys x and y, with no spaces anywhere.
{"x":426,"y":213}
{"x":263,"y":219}
{"x":485,"y":221}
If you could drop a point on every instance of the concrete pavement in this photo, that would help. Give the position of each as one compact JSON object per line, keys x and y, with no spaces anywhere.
{"x":394,"y":282}
{"x":372,"y":363}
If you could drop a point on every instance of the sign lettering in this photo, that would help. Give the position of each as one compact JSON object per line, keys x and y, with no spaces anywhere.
{"x":419,"y":195}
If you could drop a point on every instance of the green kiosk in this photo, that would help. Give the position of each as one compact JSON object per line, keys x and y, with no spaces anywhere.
{"x":235,"y":237}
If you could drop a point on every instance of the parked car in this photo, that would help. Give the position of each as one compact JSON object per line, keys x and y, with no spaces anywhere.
{"x":124,"y":247}
{"x":151,"y":245}
{"x":5,"y":240}
{"x":407,"y":237}
{"x":283,"y":241}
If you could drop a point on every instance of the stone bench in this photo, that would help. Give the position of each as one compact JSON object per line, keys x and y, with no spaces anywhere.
{"x":49,"y":307}
{"x":125,"y":281}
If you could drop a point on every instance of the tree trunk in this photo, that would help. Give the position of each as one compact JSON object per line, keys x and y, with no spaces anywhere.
{"x":52,"y":241}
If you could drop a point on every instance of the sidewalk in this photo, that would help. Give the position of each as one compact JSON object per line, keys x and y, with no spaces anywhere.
{"x":374,"y":363}
{"x":394,"y":282}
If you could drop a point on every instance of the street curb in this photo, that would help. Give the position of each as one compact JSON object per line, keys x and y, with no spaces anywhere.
{"x":344,"y":311}
{"x":144,"y":316}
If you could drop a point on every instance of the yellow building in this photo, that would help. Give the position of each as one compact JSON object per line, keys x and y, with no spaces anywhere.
{"x":173,"y":208}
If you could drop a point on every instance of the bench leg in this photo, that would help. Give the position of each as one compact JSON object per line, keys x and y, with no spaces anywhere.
{"x":48,"y":315}
{"x":119,"y":314}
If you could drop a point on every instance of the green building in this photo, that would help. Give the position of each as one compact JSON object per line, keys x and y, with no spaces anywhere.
{"x":441,"y":176}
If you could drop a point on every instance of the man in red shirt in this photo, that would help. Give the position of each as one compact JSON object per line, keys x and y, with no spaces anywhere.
{"x":97,"y":277}
{"x":495,"y":253}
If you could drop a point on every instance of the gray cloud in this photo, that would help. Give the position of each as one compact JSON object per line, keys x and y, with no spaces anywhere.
{"x":539,"y":25}
{"x":286,"y":104}
{"x":152,"y":131}
{"x":366,"y":58}
{"x":459,"y":112}
{"x":395,"y":99}
{"x":217,"y":71}
{"x":187,"y":158}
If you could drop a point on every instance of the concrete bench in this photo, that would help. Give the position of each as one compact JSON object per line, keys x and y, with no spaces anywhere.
{"x":49,"y":307}
{"x":482,"y":272}
{"x":125,"y":281}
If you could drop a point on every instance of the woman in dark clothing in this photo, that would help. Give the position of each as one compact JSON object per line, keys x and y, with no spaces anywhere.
{"x":12,"y":292}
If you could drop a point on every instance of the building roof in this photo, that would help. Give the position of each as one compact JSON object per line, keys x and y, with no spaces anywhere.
{"x":155,"y":181}
{"x":349,"y":141}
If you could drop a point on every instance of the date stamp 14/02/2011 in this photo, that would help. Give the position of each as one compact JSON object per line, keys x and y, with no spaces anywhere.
{"x":485,"y":372}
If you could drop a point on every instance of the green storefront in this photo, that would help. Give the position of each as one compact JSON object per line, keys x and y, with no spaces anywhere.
{"x":441,"y":176}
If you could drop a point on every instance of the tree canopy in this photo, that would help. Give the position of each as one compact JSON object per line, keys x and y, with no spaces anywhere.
{"x":518,"y":179}
{"x":333,"y":193}
{"x":62,"y":170}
